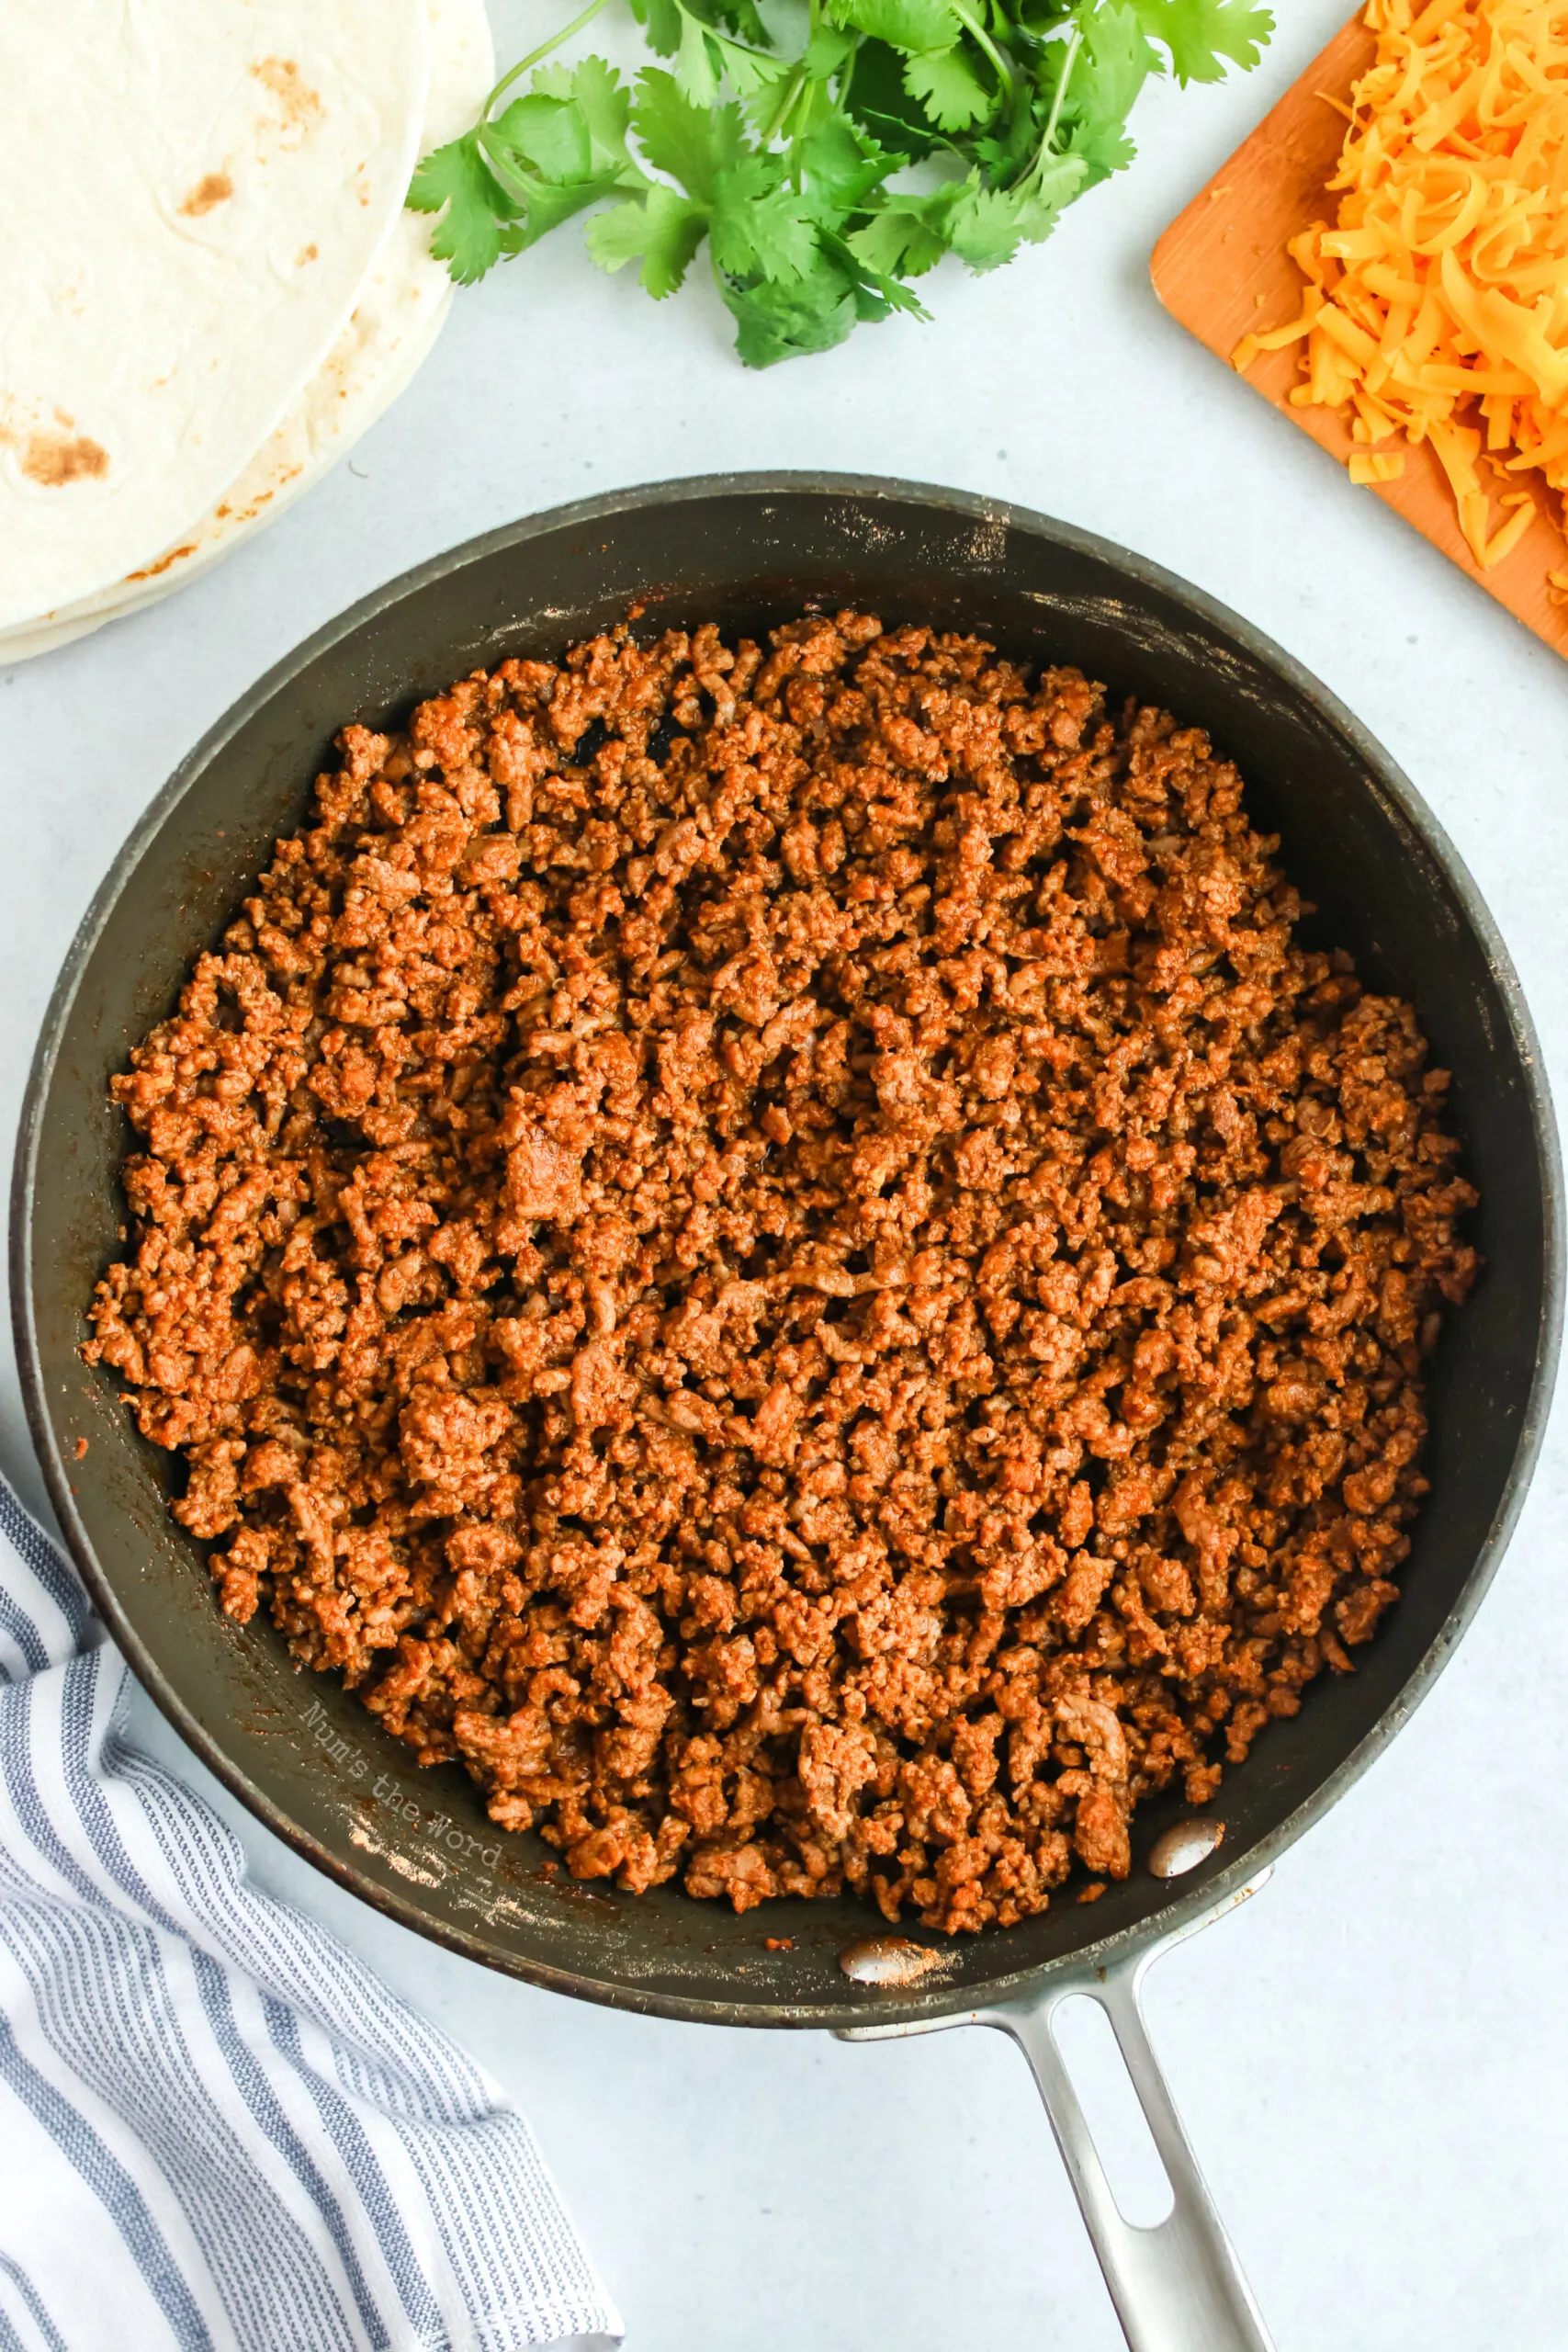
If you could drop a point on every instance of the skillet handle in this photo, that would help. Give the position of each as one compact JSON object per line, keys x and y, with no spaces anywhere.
{"x":1177,"y":2286}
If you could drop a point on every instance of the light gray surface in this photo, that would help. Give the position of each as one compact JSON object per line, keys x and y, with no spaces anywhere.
{"x":1371,"y":2057}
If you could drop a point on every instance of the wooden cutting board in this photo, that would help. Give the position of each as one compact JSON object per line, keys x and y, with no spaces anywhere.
{"x":1221,"y":269}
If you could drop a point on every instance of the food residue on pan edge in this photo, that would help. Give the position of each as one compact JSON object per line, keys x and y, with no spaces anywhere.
{"x":781,"y":1251}
{"x":890,"y":1962}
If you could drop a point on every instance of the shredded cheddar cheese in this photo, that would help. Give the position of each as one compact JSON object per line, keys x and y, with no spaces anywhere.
{"x":1435,"y":304}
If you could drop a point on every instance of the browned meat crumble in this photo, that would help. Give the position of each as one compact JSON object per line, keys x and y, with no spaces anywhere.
{"x":780,"y":1251}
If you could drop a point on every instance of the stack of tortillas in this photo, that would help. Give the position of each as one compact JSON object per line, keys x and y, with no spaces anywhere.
{"x":214,"y":289}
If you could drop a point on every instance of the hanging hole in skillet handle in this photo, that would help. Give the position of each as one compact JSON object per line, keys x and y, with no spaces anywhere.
{"x":1087,"y":2044}
{"x":1176,"y":2285}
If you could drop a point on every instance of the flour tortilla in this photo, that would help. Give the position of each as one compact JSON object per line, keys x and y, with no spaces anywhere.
{"x":198,"y":188}
{"x":21,"y":644}
{"x":395,"y":321}
{"x":392,"y":332}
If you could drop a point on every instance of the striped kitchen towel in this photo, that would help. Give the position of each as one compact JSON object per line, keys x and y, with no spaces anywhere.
{"x":217,"y":2129}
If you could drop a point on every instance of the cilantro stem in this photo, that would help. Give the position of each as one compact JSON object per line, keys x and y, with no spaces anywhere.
{"x":535,"y":56}
{"x":1073,"y":45}
{"x":521,"y":188}
{"x":790,"y":92}
{"x":982,"y":40}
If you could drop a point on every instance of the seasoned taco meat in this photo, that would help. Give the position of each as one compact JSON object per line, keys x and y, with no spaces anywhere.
{"x":779,"y":1249}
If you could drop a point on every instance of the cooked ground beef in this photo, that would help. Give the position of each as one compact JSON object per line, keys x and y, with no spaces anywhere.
{"x":781,"y":1251}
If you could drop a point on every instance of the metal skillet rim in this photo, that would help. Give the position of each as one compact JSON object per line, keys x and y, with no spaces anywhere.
{"x":1211,"y":1886}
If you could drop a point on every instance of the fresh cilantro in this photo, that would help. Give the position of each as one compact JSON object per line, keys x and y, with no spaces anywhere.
{"x":901,"y":239}
{"x":692,"y":144}
{"x":876,"y":296}
{"x":600,"y":97}
{"x":839,"y":164}
{"x":1203,"y":35}
{"x":761,"y":226}
{"x":737,"y":17}
{"x":949,"y":90}
{"x":986,"y":225}
{"x":479,"y":213}
{"x":749,"y":73}
{"x":699,"y":67}
{"x":786,"y":162}
{"x":661,"y":230}
{"x":876,"y":97}
{"x":917,"y":27}
{"x":547,"y":134}
{"x":661,"y":21}
{"x":1117,"y":61}
{"x":787,"y":322}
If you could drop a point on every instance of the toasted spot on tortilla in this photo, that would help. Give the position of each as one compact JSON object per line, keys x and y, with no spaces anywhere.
{"x":52,"y":459}
{"x":164,"y":562}
{"x":306,"y":253}
{"x":298,"y":101}
{"x":214,"y":188}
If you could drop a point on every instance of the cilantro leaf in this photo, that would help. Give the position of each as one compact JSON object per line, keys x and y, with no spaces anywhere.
{"x":661,"y":229}
{"x":749,"y":73}
{"x":839,"y":164}
{"x":603,"y":100}
{"x":906,"y":237}
{"x":457,"y":177}
{"x":1051,"y":187}
{"x":949,"y":88}
{"x":829,"y":48}
{"x":661,"y":21}
{"x":986,"y":226}
{"x":983,"y":227}
{"x":737,"y":17}
{"x":705,"y":57}
{"x":876,"y":97}
{"x":698,"y":66}
{"x":760,"y":226}
{"x":560,"y":148}
{"x":1202,"y":34}
{"x":776,"y":322}
{"x":548,"y":132}
{"x":876,"y":296}
{"x":913,"y":26}
{"x":1102,"y":146}
{"x":551,"y":203}
{"x":691,"y":145}
{"x":1007,"y":147}
{"x":1119,"y":60}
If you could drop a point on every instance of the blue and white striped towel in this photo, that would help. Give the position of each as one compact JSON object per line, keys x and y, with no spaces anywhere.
{"x":219,"y":2131}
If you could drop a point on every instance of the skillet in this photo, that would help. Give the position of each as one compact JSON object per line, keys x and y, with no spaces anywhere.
{"x":750,"y":551}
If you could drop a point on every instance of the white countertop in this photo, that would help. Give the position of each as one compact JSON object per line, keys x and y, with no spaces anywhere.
{"x":1371,"y":2057}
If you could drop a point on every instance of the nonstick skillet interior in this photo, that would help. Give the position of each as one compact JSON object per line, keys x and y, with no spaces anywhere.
{"x":750,"y":551}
